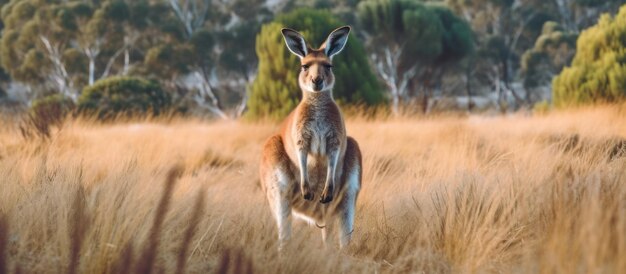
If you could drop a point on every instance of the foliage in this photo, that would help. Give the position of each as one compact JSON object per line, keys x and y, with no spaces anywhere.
{"x":54,"y":107}
{"x":425,"y":33}
{"x":597,"y":73}
{"x":203,"y":51}
{"x":553,"y":50}
{"x":123,"y":95}
{"x":168,"y":61}
{"x":275,"y":91}
{"x":413,"y":42}
{"x":64,"y":46}
{"x":44,"y":114}
{"x":240,"y":56}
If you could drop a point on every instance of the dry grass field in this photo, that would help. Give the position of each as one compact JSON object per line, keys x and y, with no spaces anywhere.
{"x":514,"y":194}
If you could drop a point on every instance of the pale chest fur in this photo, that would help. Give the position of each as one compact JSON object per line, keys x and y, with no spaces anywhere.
{"x":321,"y":133}
{"x":320,"y":128}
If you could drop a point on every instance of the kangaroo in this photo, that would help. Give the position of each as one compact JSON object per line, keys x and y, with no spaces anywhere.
{"x":312,"y":152}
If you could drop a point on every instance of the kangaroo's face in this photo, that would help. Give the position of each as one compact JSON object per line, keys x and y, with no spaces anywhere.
{"x":316,"y":72}
{"x":316,"y":64}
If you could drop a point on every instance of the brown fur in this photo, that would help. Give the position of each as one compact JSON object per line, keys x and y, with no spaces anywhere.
{"x":314,"y":134}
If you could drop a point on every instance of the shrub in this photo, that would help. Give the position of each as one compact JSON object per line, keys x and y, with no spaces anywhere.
{"x":115,"y":96}
{"x":45,"y":113}
{"x":275,"y":92}
{"x":598,"y":72}
{"x":52,"y":107}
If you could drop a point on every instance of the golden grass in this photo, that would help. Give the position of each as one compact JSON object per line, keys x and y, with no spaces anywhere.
{"x":443,"y":194}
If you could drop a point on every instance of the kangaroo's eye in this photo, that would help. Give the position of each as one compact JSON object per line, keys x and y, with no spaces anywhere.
{"x":305,"y":67}
{"x":328,"y":66}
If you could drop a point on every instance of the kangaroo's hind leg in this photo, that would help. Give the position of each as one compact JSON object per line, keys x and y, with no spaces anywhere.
{"x":351,"y":184}
{"x":278,"y":180}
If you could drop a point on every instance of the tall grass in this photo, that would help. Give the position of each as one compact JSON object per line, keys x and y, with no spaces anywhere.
{"x":514,"y":194}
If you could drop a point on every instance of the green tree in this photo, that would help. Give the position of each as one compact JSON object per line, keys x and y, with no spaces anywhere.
{"x":36,"y":36}
{"x":504,"y":30}
{"x":579,"y":14}
{"x":275,"y":91}
{"x":553,"y":50}
{"x":61,"y":46}
{"x":411,"y":41}
{"x":237,"y":62}
{"x":597,"y":73}
{"x":195,"y":17}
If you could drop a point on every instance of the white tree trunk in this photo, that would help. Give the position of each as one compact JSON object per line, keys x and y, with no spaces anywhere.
{"x":126,"y":61}
{"x":59,"y":74}
{"x":191,"y":13}
{"x":387,"y":67}
{"x":395,"y":104}
{"x":213,"y":103}
{"x":242,"y":104}
{"x":92,"y":50}
{"x":92,"y":70}
{"x":107,"y":69}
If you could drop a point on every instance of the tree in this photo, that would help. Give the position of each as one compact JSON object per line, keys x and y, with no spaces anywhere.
{"x":553,"y":50}
{"x":237,"y":63}
{"x":578,"y":14}
{"x":504,"y":29}
{"x":192,"y":14}
{"x":275,"y":91}
{"x":123,"y":95}
{"x":61,"y":46}
{"x":37,"y":34}
{"x":597,"y":73}
{"x":238,"y":59}
{"x":411,"y":41}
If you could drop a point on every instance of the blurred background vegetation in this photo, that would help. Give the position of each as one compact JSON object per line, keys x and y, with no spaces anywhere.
{"x":226,"y":58}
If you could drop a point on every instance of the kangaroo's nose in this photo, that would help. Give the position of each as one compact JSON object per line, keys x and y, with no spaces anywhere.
{"x":318,"y":81}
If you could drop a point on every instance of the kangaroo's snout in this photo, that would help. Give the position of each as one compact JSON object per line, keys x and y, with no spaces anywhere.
{"x":318,"y":83}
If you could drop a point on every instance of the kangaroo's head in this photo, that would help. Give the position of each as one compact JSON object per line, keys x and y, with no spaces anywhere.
{"x":316,"y":74}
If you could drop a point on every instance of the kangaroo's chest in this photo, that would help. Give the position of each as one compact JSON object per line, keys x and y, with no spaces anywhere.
{"x":321,"y":133}
{"x":320,"y":130}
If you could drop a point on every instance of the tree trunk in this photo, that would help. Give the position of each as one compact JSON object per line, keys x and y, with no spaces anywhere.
{"x":505,"y":78}
{"x":468,"y":85}
{"x":425,"y":101}
{"x":243,"y":104}
{"x":92,"y":70}
{"x":427,"y":89}
{"x":126,"y":61}
{"x":214,"y":105}
{"x":395,"y":105}
{"x":59,"y":74}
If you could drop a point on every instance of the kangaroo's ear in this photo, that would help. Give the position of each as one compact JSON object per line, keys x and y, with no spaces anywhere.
{"x":295,"y":42}
{"x":336,"y":41}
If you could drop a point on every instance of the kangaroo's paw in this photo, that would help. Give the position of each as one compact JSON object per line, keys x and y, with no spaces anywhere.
{"x":327,"y":195}
{"x":307,"y":194}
